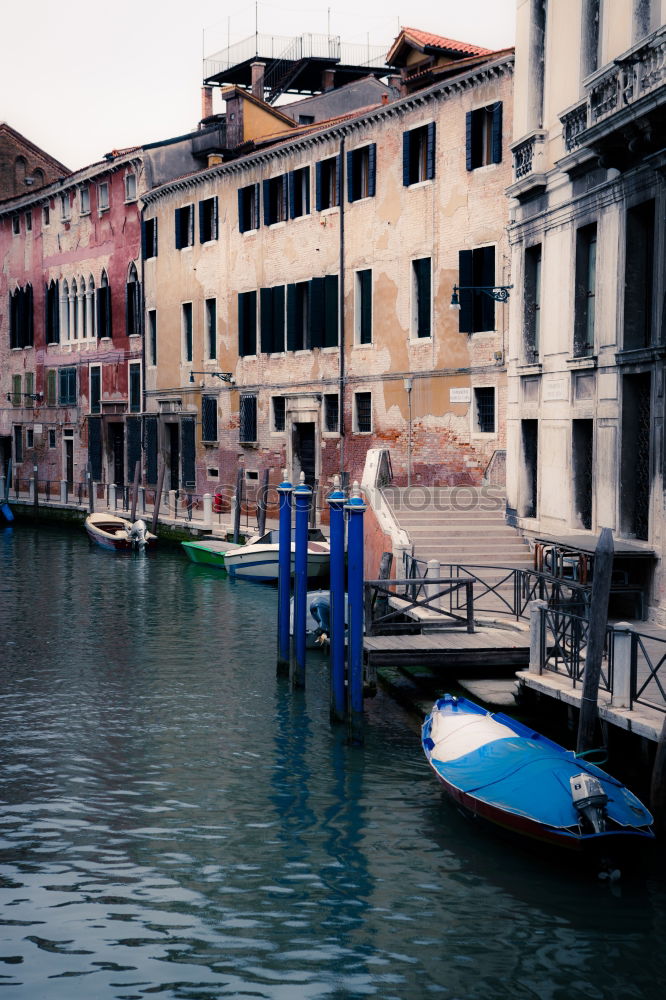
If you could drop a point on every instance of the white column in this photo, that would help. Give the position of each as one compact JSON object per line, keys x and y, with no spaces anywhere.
{"x":537,"y":609}
{"x":207,"y":510}
{"x":622,"y":642}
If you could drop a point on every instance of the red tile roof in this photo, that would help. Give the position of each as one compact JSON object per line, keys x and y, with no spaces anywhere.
{"x":428,"y":40}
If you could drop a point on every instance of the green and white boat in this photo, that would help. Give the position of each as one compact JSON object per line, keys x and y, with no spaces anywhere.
{"x":209,"y":552}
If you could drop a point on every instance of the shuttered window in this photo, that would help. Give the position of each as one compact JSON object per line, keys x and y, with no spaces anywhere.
{"x":184,"y":226}
{"x":299,"y":192}
{"x":363,"y":303}
{"x":95,"y":389}
{"x":298,"y":307}
{"x":361,"y":170}
{"x":51,"y":387}
{"x":67,"y":386}
{"x":483,"y":137}
{"x":418,"y":154}
{"x":149,"y":239}
{"x":21,"y":318}
{"x":52,"y":313}
{"x":248,"y":208}
{"x":275,"y":200}
{"x":272,"y":302}
{"x":476,"y":268}
{"x":247,"y":323}
{"x":103,"y":301}
{"x":209,"y":418}
{"x":208,"y":220}
{"x":328,"y":183}
{"x":135,"y":387}
{"x":422,"y":297}
{"x":248,"y":419}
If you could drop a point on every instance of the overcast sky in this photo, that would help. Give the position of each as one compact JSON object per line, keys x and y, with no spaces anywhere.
{"x":80,"y":78}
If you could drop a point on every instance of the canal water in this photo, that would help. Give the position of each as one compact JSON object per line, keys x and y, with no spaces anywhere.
{"x":176,"y":823}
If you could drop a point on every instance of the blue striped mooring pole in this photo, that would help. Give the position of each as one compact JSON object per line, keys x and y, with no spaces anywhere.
{"x":355,"y":510}
{"x":284,"y":574}
{"x":302,"y":497}
{"x":336,"y":501}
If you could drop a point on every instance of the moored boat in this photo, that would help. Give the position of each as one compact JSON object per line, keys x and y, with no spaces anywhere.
{"x":208,"y":552}
{"x":258,"y":558}
{"x":502,"y":771}
{"x":113,"y":532}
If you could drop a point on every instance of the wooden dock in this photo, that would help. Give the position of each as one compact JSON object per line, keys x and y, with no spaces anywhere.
{"x":493,"y":650}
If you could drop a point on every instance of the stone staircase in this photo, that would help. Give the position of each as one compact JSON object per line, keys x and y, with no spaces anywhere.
{"x":460,"y":525}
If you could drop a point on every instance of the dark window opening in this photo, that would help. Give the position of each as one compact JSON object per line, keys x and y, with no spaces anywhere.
{"x":418,"y":154}
{"x":149,"y":238}
{"x":635,"y":478}
{"x":484,"y":405}
{"x":279,"y":413}
{"x":299,"y":192}
{"x":530,"y":436}
{"x":211,"y":328}
{"x":248,"y":419}
{"x":422,"y":285}
{"x":208,"y":220}
{"x":135,"y":388}
{"x":364,"y":306}
{"x":363,"y":401}
{"x":275,"y":200}
{"x":638,"y":276}
{"x":209,"y":418}
{"x":532,"y":303}
{"x":247,"y":323}
{"x":248,"y":208}
{"x":272,"y":320}
{"x":21,"y":318}
{"x":582,"y":462}
{"x":52,"y":317}
{"x":476,"y":269}
{"x":96,"y":389}
{"x":152,"y":336}
{"x":585,"y":291}
{"x":332,"y":412}
{"x":484,"y":136}
{"x":67,"y":387}
{"x":328,"y":183}
{"x":18,"y":444}
{"x":103,"y":296}
{"x":186,"y":321}
{"x":361,"y":169}
{"x":298,"y":303}
{"x":184,"y":223}
{"x":323,"y":312}
{"x":132,"y":304}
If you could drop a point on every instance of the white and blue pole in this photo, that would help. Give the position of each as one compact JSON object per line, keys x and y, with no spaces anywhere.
{"x":302,"y":497}
{"x":336,"y":501}
{"x":355,"y":510}
{"x":284,"y":574}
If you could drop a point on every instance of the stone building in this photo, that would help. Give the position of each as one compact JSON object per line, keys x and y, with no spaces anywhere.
{"x":316,"y":267}
{"x":24,"y":167}
{"x":585,"y":414}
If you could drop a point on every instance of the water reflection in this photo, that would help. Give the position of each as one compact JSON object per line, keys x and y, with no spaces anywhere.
{"x":177,"y":822}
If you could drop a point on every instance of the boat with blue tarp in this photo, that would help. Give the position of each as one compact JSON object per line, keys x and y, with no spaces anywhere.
{"x":500,"y":770}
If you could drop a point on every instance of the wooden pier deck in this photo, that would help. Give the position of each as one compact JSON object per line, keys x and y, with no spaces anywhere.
{"x":495,"y":650}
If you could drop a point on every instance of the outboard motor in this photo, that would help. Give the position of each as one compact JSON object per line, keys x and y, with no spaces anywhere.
{"x":590,"y":800}
{"x":137,"y":534}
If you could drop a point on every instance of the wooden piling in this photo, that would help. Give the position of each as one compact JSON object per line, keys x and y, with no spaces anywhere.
{"x":135,"y":491}
{"x":658,"y":783}
{"x":598,"y":620}
{"x":161,"y":468}
{"x":238,"y":503}
{"x":263,"y":501}
{"x":91,"y":491}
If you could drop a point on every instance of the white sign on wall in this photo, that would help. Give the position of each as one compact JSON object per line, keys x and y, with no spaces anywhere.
{"x":460,"y":395}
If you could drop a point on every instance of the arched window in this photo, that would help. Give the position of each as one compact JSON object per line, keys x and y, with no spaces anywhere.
{"x":83,"y":308}
{"x":90,"y":309}
{"x":103,"y":297}
{"x":52,"y":313}
{"x":132,"y":301}
{"x":64,"y":311}
{"x":20,"y":172}
{"x":74,"y":311}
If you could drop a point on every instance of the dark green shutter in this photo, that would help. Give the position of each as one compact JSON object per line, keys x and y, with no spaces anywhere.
{"x":266,"y":319}
{"x":241,"y":218}
{"x":406,"y":147}
{"x":278,"y":318}
{"x":267,"y":202}
{"x":292,"y":300}
{"x":150,"y":429}
{"x":144,"y":242}
{"x":365,"y":283}
{"x":372,"y":169}
{"x":318,"y":186}
{"x":496,"y":133}
{"x":487,"y":279}
{"x":430,"y":151}
{"x":257,"y":217}
{"x":330,"y":310}
{"x":350,"y":175}
{"x":95,"y":447}
{"x":178,"y":229}
{"x":187,"y":444}
{"x":469,"y":161}
{"x":291,"y":185}
{"x":214,"y":219}
{"x":133,"y":446}
{"x":466,"y":299}
{"x":201,"y":222}
{"x":316,"y":313}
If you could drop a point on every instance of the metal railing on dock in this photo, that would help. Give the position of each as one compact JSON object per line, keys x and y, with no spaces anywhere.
{"x":393,"y":606}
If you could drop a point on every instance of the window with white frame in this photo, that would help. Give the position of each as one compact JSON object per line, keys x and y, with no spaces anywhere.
{"x":64,"y":207}
{"x":363,"y":412}
{"x":103,"y":196}
{"x":130,"y":187}
{"x":46,"y":216}
{"x":186,"y":328}
{"x":363,"y":307}
{"x":210,"y":313}
{"x":84,"y":196}
{"x":484,"y":409}
{"x":16,"y":225}
{"x":152,"y":337}
{"x":184,"y":226}
{"x":28,"y":222}
{"x":422,"y":297}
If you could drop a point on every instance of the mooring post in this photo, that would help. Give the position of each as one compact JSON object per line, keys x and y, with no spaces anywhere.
{"x":355,"y":510}
{"x":336,"y":502}
{"x":263,"y":502}
{"x":63,"y":491}
{"x":91,"y":492}
{"x":35,"y":486}
{"x":302,"y":498}
{"x":284,"y":573}
{"x":161,"y":468}
{"x":238,"y":504}
{"x":658,"y":783}
{"x":601,"y":581}
{"x":135,"y":491}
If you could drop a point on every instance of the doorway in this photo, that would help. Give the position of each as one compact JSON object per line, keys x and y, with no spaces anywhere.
{"x":173,"y":448}
{"x":635,"y":457}
{"x":305,"y":458}
{"x":68,"y":456}
{"x":530,"y":433}
{"x":117,"y":449}
{"x":5,"y":458}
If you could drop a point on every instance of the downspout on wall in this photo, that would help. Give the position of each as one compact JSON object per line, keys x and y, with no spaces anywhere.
{"x":341,"y":311}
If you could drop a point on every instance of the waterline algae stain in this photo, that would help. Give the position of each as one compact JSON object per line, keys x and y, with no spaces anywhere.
{"x":176,"y":822}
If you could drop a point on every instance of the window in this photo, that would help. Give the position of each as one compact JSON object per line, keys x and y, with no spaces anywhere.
{"x":84,"y":196}
{"x":476,"y":269}
{"x":16,"y":225}
{"x":640,"y":256}
{"x":306,"y":119}
{"x":248,"y":208}
{"x":247,"y":323}
{"x":363,"y":307}
{"x":130,"y":187}
{"x":132,"y":302}
{"x":271,"y":302}
{"x":585,"y":290}
{"x":149,"y":238}
{"x":21,"y":318}
{"x":532,"y":303}
{"x":134,"y":379}
{"x":361,"y":169}
{"x":323,"y":312}
{"x":299,"y":192}
{"x":152,"y":337}
{"x":210,"y":312}
{"x":209,"y":418}
{"x":418,"y":154}
{"x":298,"y":303}
{"x":484,"y":410}
{"x":328,"y":183}
{"x":46,"y":216}
{"x":186,"y":328}
{"x":484,"y":136}
{"x":64,"y":207}
{"x":103,"y":303}
{"x":16,"y":390}
{"x":95,"y":389}
{"x":591,"y":35}
{"x":208,"y":220}
{"x":103,"y":196}
{"x":67,"y":387}
{"x":51,"y":384}
{"x":421,"y":297}
{"x":52,"y":437}
{"x":28,"y":222}
{"x":184,"y":227}
{"x":248,"y":419}
{"x":29,"y":384}
{"x":331,"y":412}
{"x":363,"y":408}
{"x":18,"y":444}
{"x":275,"y":200}
{"x":279,"y":413}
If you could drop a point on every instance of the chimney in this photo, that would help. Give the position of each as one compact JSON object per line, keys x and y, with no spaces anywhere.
{"x":257,"y":70}
{"x":328,"y":80}
{"x":206,"y":102}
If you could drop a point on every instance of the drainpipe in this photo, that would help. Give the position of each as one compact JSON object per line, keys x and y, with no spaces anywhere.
{"x":341,"y":310}
{"x":142,"y":327}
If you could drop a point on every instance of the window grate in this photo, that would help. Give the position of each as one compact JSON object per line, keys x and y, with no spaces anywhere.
{"x":363,"y":412}
{"x":209,"y":418}
{"x":279,"y":413}
{"x":248,"y":419}
{"x":485,"y":409}
{"x":332,"y":412}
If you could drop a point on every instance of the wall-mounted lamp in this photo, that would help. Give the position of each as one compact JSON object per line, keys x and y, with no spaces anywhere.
{"x":500,"y":293}
{"x":223,"y":376}
{"x":36,"y":397}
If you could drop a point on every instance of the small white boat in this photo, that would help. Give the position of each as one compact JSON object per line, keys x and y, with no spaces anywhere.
{"x":113,"y":532}
{"x":258,"y":558}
